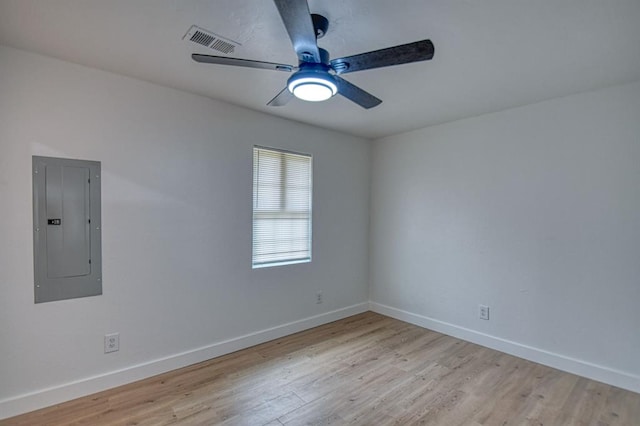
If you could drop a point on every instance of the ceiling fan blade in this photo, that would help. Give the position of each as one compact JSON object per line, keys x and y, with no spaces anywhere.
{"x":281,"y":98}
{"x":297,"y":20}
{"x":403,"y":54}
{"x":222,"y":60}
{"x":356,"y":94}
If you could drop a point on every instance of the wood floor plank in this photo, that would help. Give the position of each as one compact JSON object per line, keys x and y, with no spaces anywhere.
{"x":364,"y":370}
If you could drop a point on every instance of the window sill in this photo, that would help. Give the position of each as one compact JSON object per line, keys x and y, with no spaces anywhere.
{"x":285,"y":262}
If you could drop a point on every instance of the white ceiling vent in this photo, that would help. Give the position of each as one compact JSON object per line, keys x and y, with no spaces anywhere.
{"x":210,"y":39}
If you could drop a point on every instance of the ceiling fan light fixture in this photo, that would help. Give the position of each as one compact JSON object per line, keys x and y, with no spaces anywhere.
{"x":318,"y":77}
{"x":312,"y":86}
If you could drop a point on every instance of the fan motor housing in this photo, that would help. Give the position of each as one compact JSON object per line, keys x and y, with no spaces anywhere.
{"x":324,"y":59}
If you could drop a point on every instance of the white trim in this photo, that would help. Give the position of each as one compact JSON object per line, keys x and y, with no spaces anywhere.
{"x":54,"y":395}
{"x":579,"y":367}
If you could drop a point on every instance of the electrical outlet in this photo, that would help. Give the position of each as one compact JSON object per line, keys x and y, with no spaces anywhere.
{"x":483,"y":312}
{"x":319,"y":297}
{"x":111,"y":342}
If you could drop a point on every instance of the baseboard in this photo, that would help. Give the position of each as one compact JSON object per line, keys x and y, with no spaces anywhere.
{"x":582,"y":368}
{"x":87,"y":386}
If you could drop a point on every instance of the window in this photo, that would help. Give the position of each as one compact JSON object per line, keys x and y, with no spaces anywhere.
{"x":281,"y":207}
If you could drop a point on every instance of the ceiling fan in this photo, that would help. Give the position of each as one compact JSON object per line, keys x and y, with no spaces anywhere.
{"x":317,"y":78}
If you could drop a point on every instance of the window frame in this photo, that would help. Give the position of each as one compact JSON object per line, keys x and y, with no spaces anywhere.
{"x":282,"y":195}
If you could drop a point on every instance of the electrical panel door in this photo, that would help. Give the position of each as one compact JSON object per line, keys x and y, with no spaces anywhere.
{"x":67,"y":235}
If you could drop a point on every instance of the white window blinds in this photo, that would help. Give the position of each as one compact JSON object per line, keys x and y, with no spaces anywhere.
{"x":281,"y":207}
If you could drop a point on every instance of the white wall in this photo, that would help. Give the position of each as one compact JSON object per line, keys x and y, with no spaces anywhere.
{"x":176,"y":207}
{"x":534,"y":211}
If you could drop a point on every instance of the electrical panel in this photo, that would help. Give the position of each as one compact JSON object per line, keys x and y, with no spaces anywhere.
{"x":67,"y":229}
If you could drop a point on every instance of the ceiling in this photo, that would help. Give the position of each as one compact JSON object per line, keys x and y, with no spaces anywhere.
{"x":489,"y":55}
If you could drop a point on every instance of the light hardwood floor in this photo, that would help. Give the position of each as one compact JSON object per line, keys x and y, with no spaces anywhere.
{"x":364,"y":370}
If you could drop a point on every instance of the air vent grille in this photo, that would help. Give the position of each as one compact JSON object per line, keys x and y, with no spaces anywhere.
{"x":202,"y":38}
{"x":210,"y":39}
